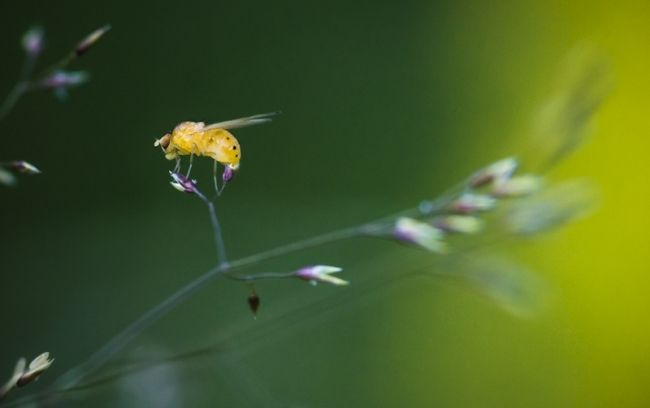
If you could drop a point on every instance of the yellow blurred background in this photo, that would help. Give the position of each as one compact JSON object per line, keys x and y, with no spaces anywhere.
{"x":591,"y":348}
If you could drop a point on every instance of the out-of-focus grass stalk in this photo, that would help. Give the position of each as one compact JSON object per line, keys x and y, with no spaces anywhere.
{"x":20,"y":88}
{"x":381,"y":228}
{"x":51,"y":78}
{"x":25,"y":81}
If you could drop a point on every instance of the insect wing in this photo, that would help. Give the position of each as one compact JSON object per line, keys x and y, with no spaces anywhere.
{"x":243,"y":122}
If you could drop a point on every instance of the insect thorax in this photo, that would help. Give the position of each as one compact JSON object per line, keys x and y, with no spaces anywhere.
{"x":219,"y":144}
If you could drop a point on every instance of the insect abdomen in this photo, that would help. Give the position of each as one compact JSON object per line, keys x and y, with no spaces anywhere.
{"x":222,"y":146}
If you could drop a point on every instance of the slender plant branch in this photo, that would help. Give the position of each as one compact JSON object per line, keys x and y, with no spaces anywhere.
{"x":118,"y":342}
{"x":25,"y":82}
{"x":380,"y":228}
{"x":122,"y":339}
{"x":20,"y":88}
{"x":139,"y":366}
{"x":216,"y":229}
{"x":60,"y":64}
{"x":262,"y":276}
{"x":12,"y":98}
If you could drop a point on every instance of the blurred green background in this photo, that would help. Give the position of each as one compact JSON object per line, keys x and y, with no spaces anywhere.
{"x":384,"y":104}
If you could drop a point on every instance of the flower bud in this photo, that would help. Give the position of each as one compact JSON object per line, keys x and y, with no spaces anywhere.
{"x":182,"y":183}
{"x":552,"y":207}
{"x":470,"y":203}
{"x":321,"y":273}
{"x":228,"y":174}
{"x":495,"y":172}
{"x":24,"y":167}
{"x":518,"y":186}
{"x":33,"y":41}
{"x":61,"y":81}
{"x":7,"y":178}
{"x":65,"y":79}
{"x":90,"y":40}
{"x":463,"y":224}
{"x":35,"y":369}
{"x":420,"y":233}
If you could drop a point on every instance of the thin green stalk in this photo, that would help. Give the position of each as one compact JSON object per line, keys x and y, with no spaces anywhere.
{"x":12,"y":98}
{"x":122,"y":339}
{"x":60,"y":64}
{"x":20,"y":88}
{"x":262,"y":276}
{"x":117,"y":343}
{"x":82,"y":386}
{"x":216,"y":229}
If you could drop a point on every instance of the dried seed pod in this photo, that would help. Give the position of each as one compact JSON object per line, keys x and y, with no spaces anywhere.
{"x":253,"y":302}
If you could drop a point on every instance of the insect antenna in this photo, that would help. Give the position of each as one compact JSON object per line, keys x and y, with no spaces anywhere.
{"x":158,"y":143}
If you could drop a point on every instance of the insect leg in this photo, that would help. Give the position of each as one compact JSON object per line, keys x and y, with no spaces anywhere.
{"x":214,"y":177}
{"x":189,"y":169}
{"x":177,"y":167}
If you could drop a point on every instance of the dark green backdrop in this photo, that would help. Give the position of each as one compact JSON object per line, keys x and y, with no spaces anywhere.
{"x":384,"y":104}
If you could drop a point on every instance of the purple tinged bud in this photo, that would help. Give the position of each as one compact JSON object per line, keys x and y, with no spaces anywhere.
{"x":321,"y":273}
{"x":182,"y":183}
{"x":495,"y":172}
{"x":33,"y":41}
{"x":24,"y":167}
{"x":228,"y":174}
{"x":64,"y":79}
{"x":24,"y":374}
{"x":90,"y":40}
{"x":470,"y":203}
{"x":421,"y":234}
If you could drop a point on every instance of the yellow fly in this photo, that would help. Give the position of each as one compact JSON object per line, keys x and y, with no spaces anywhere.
{"x":214,"y":141}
